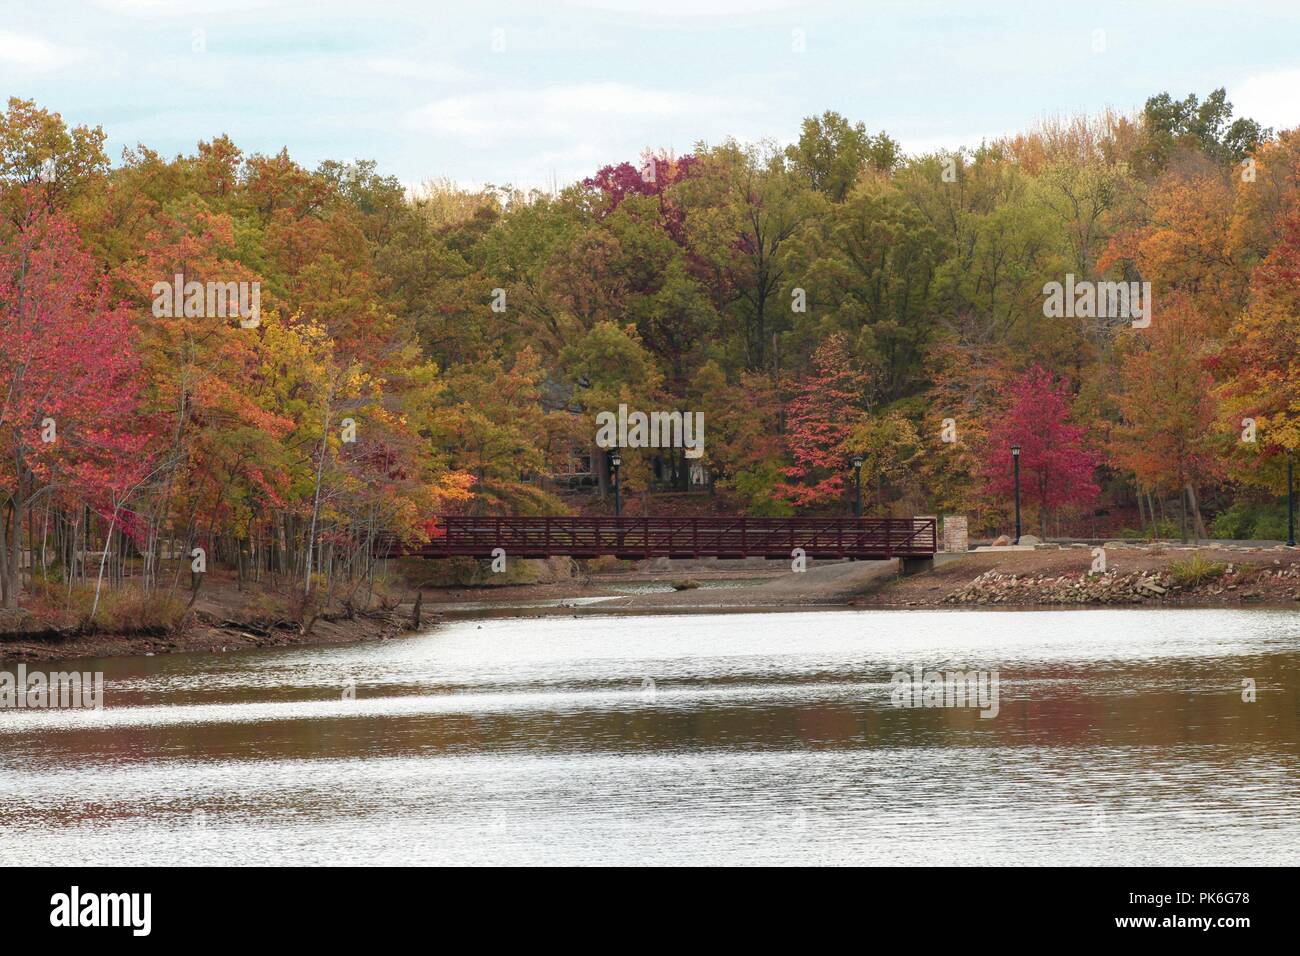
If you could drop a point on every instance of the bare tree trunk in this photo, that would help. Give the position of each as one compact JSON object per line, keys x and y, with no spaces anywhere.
{"x":315,"y":504}
{"x":15,"y":546}
{"x":1199,"y":523}
{"x":103,"y":557}
{"x":4,"y":556}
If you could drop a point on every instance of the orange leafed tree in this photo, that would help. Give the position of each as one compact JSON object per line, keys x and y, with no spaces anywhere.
{"x":1166,"y":435}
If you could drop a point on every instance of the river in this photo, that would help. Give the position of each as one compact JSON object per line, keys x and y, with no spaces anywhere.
{"x":1121,"y":737}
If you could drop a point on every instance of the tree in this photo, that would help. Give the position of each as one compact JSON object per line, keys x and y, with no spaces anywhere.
{"x":1171,"y":124}
{"x":888,"y":444}
{"x":826,"y":408}
{"x":609,"y":366}
{"x":498,"y":432}
{"x":1056,"y":464}
{"x":831,"y":154}
{"x":1000,"y":244}
{"x":1260,"y":366}
{"x":68,"y":380}
{"x":868,"y":268}
{"x":743,"y":450}
{"x":1182,"y":246}
{"x":965,"y":398}
{"x":743,"y":206}
{"x":1165,"y":437}
{"x":41,"y":159}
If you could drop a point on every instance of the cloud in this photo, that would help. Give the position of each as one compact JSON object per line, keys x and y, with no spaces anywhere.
{"x":406,"y":68}
{"x":689,"y":8}
{"x":173,"y":9}
{"x":563,"y":111}
{"x":34,"y":53}
{"x":1270,"y":98}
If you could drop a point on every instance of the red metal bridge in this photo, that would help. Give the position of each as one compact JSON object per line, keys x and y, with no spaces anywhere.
{"x":720,"y":536}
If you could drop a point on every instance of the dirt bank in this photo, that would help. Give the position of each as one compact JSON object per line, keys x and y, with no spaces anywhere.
{"x":221,"y":621}
{"x":1162,"y":575}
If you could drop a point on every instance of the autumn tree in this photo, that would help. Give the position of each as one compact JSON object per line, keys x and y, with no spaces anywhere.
{"x":43,"y":160}
{"x":743,"y":449}
{"x":494,"y":428}
{"x":1168,"y":408}
{"x":1056,"y":464}
{"x":889,"y":445}
{"x":827,"y":405}
{"x":68,"y":412}
{"x":1260,"y":367}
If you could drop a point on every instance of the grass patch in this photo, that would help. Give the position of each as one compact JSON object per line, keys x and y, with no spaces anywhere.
{"x":120,"y":611}
{"x":1196,"y":571}
{"x":130,"y":612}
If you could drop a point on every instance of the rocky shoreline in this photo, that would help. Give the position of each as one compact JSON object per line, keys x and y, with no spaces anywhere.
{"x":1136,"y":587}
{"x":1150,"y":575}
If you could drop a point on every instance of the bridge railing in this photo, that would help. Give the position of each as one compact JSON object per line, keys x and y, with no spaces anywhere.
{"x":647,"y":537}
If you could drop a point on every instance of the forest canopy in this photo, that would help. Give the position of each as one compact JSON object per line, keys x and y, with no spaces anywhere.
{"x":449,"y":349}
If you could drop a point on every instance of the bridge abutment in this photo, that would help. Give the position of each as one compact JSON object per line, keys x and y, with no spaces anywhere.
{"x":915,"y":565}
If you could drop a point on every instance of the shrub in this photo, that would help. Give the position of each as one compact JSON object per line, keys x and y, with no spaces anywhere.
{"x":755,"y":491}
{"x":605,"y":564}
{"x":1196,"y":571}
{"x":128,"y":611}
{"x":1251,"y":520}
{"x":1164,"y":529}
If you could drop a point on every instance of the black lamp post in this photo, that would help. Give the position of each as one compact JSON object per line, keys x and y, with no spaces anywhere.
{"x":1015,"y":464}
{"x":857,"y":486}
{"x":1290,"y":504}
{"x":615,"y":463}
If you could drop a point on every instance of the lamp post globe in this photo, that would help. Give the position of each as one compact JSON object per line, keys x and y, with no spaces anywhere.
{"x":857,"y":486}
{"x":615,"y":463}
{"x":1015,"y":463}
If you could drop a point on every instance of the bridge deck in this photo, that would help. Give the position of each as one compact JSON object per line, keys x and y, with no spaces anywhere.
{"x":694,"y":537}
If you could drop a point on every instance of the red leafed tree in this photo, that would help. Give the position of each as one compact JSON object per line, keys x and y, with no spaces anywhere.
{"x":658,"y":171}
{"x":827,"y":406}
{"x":68,"y":374}
{"x":1056,"y":464}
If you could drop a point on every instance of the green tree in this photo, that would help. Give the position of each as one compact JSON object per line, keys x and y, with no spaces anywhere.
{"x":831,"y":154}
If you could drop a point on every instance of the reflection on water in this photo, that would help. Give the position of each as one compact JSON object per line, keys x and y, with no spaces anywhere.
{"x":665,"y":587}
{"x":1122,"y":738}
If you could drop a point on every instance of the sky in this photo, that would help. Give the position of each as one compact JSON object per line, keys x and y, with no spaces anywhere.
{"x":548,"y":91}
